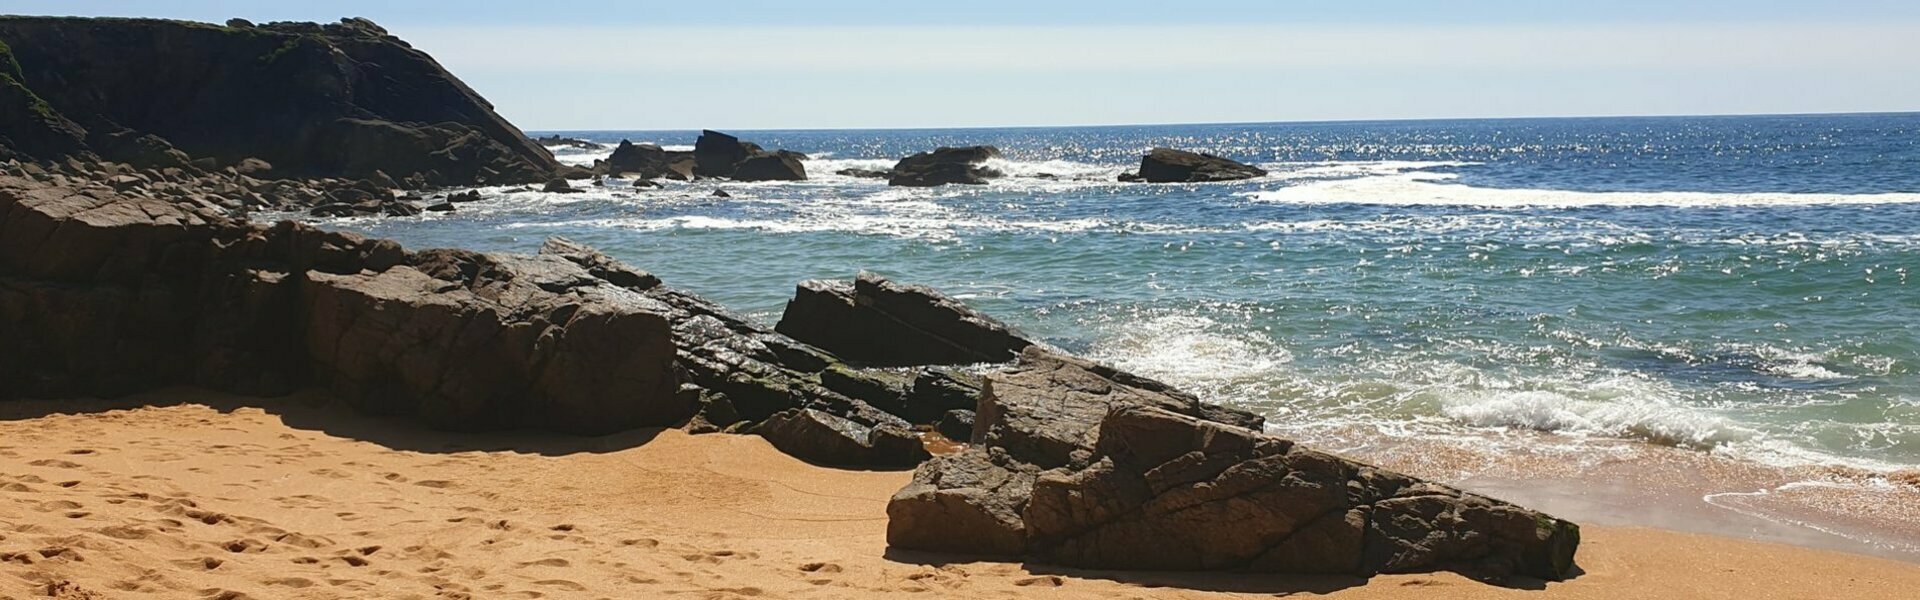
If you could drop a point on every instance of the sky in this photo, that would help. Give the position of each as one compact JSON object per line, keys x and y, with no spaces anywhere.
{"x":756,"y":64}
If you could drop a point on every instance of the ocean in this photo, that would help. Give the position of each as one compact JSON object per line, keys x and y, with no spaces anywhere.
{"x":1739,"y":288}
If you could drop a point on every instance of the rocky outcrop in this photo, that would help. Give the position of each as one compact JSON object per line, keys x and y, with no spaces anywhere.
{"x":107,"y":292}
{"x":340,"y":100}
{"x":874,"y":321}
{"x":715,"y":154}
{"x":1080,"y":465}
{"x":648,"y":161}
{"x":1167,"y":165}
{"x":946,"y":166}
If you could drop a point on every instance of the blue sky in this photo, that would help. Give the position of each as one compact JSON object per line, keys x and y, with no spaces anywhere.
{"x":753,"y":64}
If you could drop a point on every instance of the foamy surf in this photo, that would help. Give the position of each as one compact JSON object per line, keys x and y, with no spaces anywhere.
{"x":1419,"y":188}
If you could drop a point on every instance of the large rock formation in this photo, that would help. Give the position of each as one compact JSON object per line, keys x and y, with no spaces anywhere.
{"x":340,"y":100}
{"x":945,"y":165}
{"x":1167,"y":165}
{"x":874,"y":321}
{"x":106,"y":292}
{"x":648,"y":161}
{"x":1078,"y":465}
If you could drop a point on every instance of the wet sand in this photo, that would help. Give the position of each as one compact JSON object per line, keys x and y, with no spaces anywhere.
{"x":208,"y":496}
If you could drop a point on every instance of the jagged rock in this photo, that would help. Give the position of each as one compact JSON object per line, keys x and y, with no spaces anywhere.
{"x":956,"y":425}
{"x":823,"y":438}
{"x":716,"y":154}
{"x":770,"y":167}
{"x":649,"y":161}
{"x":471,"y":341}
{"x":559,"y":185}
{"x":936,"y":393}
{"x":1167,"y":165}
{"x":105,"y":294}
{"x":260,"y":168}
{"x":1088,"y":467}
{"x":599,"y":265}
{"x":342,"y":99}
{"x":944,"y":166}
{"x":878,"y":322}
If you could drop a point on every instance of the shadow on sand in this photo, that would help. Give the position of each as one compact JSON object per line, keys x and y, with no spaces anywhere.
{"x":1207,"y":581}
{"x":313,"y":410}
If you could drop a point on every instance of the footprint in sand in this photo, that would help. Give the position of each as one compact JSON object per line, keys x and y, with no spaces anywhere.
{"x":55,"y":463}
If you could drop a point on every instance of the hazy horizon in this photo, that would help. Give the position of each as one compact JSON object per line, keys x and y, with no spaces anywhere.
{"x":762,"y":65}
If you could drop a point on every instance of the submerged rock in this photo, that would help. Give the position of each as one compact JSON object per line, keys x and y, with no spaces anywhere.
{"x":874,"y":321}
{"x":946,"y":166}
{"x":770,"y":167}
{"x":1167,"y":165}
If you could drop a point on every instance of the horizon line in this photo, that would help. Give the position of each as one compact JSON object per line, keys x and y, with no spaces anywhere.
{"x":1282,"y":122}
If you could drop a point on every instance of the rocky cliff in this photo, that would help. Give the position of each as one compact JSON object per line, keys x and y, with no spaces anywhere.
{"x":339,"y":100}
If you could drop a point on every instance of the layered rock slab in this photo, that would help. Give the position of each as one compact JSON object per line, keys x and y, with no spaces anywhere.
{"x":875,"y":321}
{"x":1079,"y":468}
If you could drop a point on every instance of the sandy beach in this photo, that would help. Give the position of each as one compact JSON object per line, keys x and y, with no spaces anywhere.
{"x":190,"y":494}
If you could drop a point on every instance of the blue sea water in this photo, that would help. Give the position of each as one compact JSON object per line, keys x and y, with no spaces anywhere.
{"x":1738,"y":285}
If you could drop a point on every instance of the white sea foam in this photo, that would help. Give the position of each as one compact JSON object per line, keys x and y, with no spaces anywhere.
{"x":1407,"y":184}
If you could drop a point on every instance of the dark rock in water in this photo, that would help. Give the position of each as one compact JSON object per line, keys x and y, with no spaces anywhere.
{"x":555,"y":140}
{"x":649,"y":161}
{"x":715,"y":154}
{"x":874,"y":321}
{"x":441,"y":207}
{"x":1079,"y":467}
{"x":721,"y":194}
{"x":770,"y":167}
{"x":1166,"y":165}
{"x":864,"y":173}
{"x":1129,"y":177}
{"x":467,"y":196}
{"x":337,"y":100}
{"x":558,"y":186}
{"x":645,"y":183}
{"x":956,"y":425}
{"x":944,"y":166}
{"x":399,"y":209}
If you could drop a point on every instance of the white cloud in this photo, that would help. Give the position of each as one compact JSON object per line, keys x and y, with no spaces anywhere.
{"x":1145,"y":50}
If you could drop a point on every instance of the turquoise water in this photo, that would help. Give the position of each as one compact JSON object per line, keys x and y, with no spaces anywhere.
{"x":1738,"y":285}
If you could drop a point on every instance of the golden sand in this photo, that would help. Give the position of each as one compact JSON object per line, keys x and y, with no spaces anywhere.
{"x":209,"y":496}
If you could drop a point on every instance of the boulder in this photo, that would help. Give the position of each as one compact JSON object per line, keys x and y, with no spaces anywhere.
{"x":1167,"y":165}
{"x":559,"y":185}
{"x":716,"y":154}
{"x":944,"y":166}
{"x":770,"y":167}
{"x":334,"y":100}
{"x":874,"y":321}
{"x":1083,"y":468}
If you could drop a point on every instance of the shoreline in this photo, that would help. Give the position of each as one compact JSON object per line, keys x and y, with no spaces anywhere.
{"x":134,"y":499}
